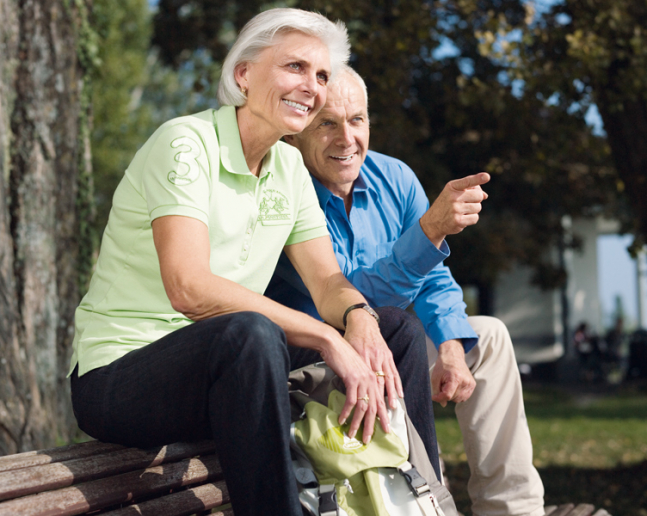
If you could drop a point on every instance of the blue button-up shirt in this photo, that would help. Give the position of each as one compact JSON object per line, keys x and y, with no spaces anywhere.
{"x":383,"y":251}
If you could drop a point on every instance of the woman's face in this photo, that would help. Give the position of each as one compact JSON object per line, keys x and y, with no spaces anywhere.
{"x":286,"y":85}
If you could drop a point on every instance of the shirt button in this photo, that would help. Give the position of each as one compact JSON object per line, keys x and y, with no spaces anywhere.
{"x":245,"y":247}
{"x":249,"y":231}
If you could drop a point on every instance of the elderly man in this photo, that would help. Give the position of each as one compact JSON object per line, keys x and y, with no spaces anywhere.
{"x":391,"y":245}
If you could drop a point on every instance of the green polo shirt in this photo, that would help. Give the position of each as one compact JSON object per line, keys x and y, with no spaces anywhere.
{"x":191,"y":166}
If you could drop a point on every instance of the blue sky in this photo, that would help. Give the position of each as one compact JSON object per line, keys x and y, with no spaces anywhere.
{"x":617,"y":277}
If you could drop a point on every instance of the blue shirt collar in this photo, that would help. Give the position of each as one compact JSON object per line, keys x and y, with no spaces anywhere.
{"x":324,"y":194}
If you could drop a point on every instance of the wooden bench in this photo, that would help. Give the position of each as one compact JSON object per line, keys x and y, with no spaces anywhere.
{"x":99,"y":478}
{"x":569,"y":509}
{"x":108,"y":479}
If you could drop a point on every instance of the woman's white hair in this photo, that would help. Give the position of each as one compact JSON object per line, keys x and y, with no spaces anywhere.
{"x":260,"y":32}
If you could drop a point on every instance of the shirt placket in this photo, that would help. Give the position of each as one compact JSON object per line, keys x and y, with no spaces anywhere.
{"x":255,"y":195}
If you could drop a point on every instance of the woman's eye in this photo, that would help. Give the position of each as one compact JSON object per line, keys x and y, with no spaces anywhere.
{"x":322,"y":77}
{"x":295,"y":66}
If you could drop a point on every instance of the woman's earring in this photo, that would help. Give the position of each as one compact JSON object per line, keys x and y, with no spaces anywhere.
{"x":244,"y":91}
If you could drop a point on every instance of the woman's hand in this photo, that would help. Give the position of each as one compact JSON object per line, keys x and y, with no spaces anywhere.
{"x":363,"y":333}
{"x":361,"y":383}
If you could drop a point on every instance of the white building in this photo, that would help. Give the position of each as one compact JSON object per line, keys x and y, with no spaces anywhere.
{"x":535,"y":317}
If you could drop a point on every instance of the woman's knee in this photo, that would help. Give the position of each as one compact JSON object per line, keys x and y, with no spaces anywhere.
{"x":252,"y":338}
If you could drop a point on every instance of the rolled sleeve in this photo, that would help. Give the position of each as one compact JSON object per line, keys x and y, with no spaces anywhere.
{"x":440,"y":307}
{"x":397,"y":278}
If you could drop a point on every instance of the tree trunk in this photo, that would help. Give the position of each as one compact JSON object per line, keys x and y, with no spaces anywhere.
{"x":44,"y":157}
{"x":626,"y":127}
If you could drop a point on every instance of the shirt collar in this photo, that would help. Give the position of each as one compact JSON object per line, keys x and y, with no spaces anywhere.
{"x":325,"y":195}
{"x":232,"y":157}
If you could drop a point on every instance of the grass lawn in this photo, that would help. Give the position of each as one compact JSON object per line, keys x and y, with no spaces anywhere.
{"x":589,"y":447}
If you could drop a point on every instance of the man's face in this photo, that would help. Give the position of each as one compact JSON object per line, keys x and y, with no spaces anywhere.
{"x":334,"y":145}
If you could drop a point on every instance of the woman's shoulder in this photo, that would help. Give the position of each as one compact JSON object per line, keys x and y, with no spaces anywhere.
{"x":201,"y":121}
{"x":288,"y":157}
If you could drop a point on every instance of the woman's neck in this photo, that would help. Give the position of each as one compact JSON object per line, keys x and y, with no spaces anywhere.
{"x":255,"y":137}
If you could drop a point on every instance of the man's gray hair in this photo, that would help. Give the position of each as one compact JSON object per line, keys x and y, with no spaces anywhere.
{"x":346,"y":70}
{"x":260,"y":32}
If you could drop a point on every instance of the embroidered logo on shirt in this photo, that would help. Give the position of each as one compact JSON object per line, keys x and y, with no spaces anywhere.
{"x":274,"y":207}
{"x":188,"y":168}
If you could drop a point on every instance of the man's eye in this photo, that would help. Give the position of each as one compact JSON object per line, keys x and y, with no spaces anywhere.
{"x":326,"y":123}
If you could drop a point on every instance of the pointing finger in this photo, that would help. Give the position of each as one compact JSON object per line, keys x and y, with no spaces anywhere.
{"x":470,"y":181}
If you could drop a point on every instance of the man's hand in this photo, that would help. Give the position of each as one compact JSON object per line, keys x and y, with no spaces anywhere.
{"x":457,"y":207}
{"x":451,"y":379}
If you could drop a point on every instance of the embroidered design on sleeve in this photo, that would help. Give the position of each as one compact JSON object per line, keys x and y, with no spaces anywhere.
{"x":274,"y":206}
{"x":188,"y":168}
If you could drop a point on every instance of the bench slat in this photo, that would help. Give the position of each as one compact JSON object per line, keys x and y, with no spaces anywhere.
{"x":107,"y":492}
{"x":72,"y":451}
{"x":35,"y":479}
{"x":583,"y":509}
{"x":563,"y":510}
{"x":183,"y":503}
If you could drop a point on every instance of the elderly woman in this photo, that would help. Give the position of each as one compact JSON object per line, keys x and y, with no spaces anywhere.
{"x":174,"y":339}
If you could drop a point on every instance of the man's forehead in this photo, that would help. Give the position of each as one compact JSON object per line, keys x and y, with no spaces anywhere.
{"x":345,"y":92}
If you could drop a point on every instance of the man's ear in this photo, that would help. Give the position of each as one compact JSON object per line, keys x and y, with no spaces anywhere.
{"x":291,"y":139}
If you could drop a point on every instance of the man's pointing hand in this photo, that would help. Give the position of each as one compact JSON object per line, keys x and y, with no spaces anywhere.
{"x":457,"y":207}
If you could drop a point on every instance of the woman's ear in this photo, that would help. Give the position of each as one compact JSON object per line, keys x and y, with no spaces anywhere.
{"x":240,"y":75}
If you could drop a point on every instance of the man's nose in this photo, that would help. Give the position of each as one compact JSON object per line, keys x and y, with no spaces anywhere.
{"x":345,"y":135}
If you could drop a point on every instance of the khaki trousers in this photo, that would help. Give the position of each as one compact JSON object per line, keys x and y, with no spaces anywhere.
{"x":503,"y":480}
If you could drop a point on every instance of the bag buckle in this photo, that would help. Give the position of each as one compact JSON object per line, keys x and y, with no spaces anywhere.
{"x":415,"y":481}
{"x":328,"y":500}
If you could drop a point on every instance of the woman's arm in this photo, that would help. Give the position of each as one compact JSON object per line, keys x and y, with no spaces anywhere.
{"x":182,"y":245}
{"x":332,"y":294}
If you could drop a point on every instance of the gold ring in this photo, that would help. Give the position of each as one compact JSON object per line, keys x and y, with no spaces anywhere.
{"x":364,"y":398}
{"x":380,"y":374}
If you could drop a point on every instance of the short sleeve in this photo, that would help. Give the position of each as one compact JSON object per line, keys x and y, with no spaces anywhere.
{"x":176,"y":175}
{"x":310,"y":220}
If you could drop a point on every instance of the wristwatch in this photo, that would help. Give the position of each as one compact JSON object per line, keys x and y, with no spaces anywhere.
{"x":363,"y":306}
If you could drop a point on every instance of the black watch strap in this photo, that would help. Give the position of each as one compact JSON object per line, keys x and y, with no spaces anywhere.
{"x":363,"y":306}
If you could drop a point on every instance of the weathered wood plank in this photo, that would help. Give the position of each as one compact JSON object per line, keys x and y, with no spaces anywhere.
{"x":184,"y":503}
{"x":601,"y":512}
{"x":62,"y":474}
{"x":548,"y":510}
{"x":563,"y":510}
{"x":583,"y":509}
{"x":111,"y":491}
{"x":72,"y":451}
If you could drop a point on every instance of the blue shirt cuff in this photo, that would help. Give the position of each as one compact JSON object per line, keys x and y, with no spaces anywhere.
{"x":453,"y":328}
{"x":417,"y":253}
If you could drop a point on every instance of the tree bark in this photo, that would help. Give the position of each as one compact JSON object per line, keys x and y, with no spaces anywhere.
{"x":626,"y":127}
{"x":43,"y":154}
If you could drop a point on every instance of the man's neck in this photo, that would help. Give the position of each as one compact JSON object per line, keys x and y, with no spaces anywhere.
{"x":345,"y":191}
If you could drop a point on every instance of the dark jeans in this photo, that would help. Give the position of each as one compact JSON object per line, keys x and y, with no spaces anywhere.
{"x":225,"y":378}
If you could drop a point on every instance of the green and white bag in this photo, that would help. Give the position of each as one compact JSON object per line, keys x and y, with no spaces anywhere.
{"x":340,"y":476}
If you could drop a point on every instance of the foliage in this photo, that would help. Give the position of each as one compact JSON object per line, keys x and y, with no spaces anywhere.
{"x":452,"y":113}
{"x":120,"y":121}
{"x":578,"y":53}
{"x":588,"y":447}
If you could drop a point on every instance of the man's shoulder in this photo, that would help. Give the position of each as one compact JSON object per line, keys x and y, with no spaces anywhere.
{"x":381,"y":168}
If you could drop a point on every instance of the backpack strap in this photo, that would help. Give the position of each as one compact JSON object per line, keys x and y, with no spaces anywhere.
{"x":427,"y":501}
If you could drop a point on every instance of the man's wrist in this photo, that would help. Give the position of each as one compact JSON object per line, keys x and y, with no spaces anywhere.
{"x":452,"y":347}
